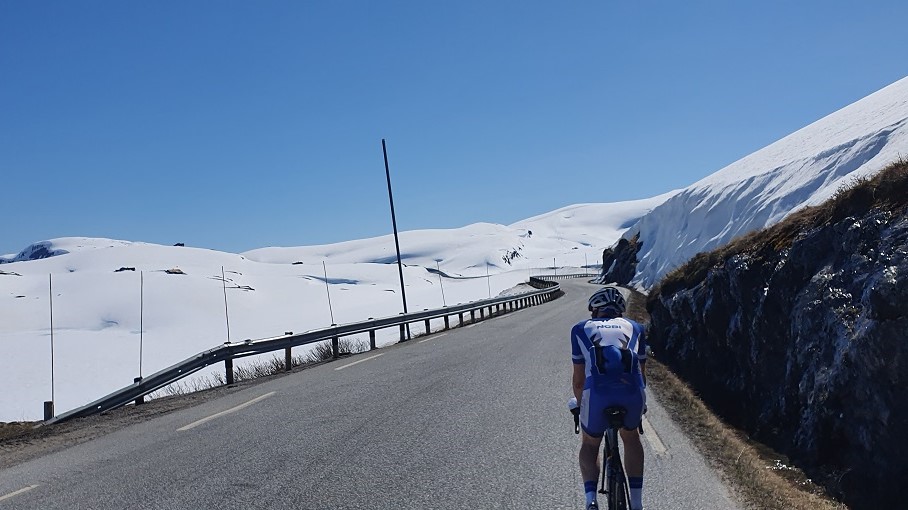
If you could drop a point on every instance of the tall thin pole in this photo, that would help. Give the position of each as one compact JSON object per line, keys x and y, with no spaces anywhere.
{"x":328,"y":291}
{"x":488,"y":282}
{"x":400,"y":266}
{"x":226,"y":314}
{"x":443,"y":302}
{"x":50,"y":280}
{"x":141,"y":317}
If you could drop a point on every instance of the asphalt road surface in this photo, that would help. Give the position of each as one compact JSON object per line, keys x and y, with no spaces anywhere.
{"x":473,"y":418}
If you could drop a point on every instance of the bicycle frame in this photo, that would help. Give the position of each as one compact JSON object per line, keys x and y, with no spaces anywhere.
{"x":614,"y":480}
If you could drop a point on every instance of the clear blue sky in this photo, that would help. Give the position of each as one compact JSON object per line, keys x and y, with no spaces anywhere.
{"x":240,"y":125}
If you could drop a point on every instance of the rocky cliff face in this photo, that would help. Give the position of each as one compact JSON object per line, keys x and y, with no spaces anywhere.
{"x":36,"y":251}
{"x":799,"y":336}
{"x":619,"y":263}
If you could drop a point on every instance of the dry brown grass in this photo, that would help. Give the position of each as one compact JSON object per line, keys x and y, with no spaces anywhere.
{"x":887,"y":190}
{"x":760,"y":476}
{"x":16,"y":429}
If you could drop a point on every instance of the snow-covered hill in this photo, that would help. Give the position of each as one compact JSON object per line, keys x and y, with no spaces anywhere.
{"x":97,"y":288}
{"x":96,"y":282}
{"x":804,"y":168}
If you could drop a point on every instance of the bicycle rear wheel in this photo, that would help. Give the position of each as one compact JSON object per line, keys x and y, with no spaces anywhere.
{"x":618,"y":494}
{"x":613,"y":472}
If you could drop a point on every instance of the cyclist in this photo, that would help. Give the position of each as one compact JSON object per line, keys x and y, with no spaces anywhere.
{"x":609,"y":357}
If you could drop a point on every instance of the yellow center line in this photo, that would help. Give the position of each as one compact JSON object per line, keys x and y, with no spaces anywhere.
{"x":16,"y":493}
{"x":222,"y":413}
{"x":359,"y":361}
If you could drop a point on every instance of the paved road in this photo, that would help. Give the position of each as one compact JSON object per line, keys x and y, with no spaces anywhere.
{"x":471,"y":418}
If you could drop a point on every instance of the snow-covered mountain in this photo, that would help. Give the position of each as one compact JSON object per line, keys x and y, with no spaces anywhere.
{"x":96,"y":282}
{"x":101,"y":285}
{"x":802,"y":169}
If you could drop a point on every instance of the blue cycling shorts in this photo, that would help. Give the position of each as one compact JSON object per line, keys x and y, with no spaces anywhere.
{"x":598,"y":397}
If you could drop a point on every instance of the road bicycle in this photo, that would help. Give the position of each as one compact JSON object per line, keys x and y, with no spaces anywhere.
{"x":614,"y":480}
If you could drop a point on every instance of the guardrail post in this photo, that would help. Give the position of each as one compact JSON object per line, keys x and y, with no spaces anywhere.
{"x":482,"y":314}
{"x":335,"y":347}
{"x":427,"y":327}
{"x":403,"y":334}
{"x":141,"y":399}
{"x":48,"y":409}
{"x":472,"y":316}
{"x":288,"y":359}
{"x":371,"y":339}
{"x":447,"y":325}
{"x":228,"y":367}
{"x":460,"y":319}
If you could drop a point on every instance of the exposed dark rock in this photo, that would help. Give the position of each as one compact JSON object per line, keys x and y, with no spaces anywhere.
{"x":35,"y":251}
{"x":510,"y":256}
{"x":805,"y":347}
{"x":179,"y":244}
{"x":124,"y":269}
{"x":619,"y":263}
{"x":174,"y":270}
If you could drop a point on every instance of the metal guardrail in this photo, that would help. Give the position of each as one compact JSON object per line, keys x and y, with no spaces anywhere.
{"x":546,"y":290}
{"x":562,"y":276}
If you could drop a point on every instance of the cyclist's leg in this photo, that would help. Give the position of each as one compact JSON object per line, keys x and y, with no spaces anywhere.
{"x":589,"y":464}
{"x":592,"y":427}
{"x":633,"y":448}
{"x":633,"y":453}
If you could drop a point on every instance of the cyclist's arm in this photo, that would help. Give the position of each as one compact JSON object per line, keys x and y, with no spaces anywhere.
{"x":642,"y":350}
{"x":577,"y":380}
{"x":578,"y":377}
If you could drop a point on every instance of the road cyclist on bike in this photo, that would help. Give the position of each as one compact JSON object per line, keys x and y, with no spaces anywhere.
{"x":609,"y":361}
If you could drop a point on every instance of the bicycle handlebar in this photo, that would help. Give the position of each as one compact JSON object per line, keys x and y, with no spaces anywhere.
{"x":574,"y":408}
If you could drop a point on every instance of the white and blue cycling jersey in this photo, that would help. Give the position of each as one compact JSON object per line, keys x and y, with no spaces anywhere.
{"x":612,"y":350}
{"x":608,"y":347}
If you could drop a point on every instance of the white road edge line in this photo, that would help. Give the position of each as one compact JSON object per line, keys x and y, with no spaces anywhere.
{"x":20,"y":491}
{"x":359,"y":361}
{"x":652,"y":438}
{"x":433,"y":337}
{"x":222,"y":413}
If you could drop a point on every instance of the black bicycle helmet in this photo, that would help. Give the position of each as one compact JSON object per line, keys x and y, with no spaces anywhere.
{"x":608,"y":297}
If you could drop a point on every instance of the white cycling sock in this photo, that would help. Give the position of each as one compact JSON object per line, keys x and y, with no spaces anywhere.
{"x":636,"y":487}
{"x":589,"y":488}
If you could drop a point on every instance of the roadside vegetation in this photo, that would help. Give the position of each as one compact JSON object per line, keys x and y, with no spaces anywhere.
{"x":761,"y":477}
{"x":321,"y":353}
{"x":17,"y":432}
